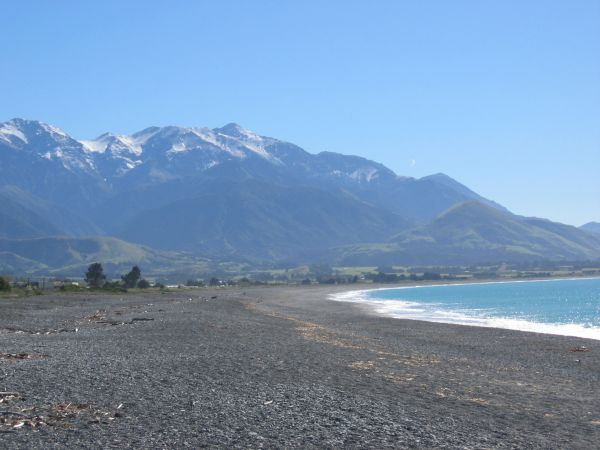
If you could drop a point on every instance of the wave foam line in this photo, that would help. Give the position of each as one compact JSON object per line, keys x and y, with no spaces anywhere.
{"x":401,"y":309}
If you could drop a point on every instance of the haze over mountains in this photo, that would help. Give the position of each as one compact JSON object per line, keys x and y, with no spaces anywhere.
{"x":180,"y":195}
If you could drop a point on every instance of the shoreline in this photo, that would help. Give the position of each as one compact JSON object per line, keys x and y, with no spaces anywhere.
{"x":385,"y":307}
{"x":432,"y":283}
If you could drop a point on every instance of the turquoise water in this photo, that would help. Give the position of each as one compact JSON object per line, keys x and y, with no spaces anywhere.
{"x":568,"y":307}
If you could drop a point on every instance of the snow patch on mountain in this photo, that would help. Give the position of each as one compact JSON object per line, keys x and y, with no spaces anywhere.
{"x":171,"y":141}
{"x":8,"y":131}
{"x":53,"y":131}
{"x":234,"y":136}
{"x":95,"y":146}
{"x":70,"y":160}
{"x":367,"y":174}
{"x":178,"y":147}
{"x":363,"y":174}
{"x":116,"y":144}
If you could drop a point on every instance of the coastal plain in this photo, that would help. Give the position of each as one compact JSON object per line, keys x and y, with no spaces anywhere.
{"x":281,"y":367}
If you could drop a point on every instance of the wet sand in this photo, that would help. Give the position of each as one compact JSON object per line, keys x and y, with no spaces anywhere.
{"x":281,"y":367}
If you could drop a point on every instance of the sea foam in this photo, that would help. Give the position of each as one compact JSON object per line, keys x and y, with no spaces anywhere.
{"x":439,"y":312}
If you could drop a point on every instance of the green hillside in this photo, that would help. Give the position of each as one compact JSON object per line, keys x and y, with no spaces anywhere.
{"x":472,"y":232}
{"x":70,"y":256}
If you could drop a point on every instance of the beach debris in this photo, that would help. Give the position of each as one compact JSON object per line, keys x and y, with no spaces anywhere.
{"x":63,"y":415}
{"x":22,"y":356}
{"x":13,"y":420}
{"x":98,"y":315}
{"x":581,"y":348}
{"x":12,"y":413}
{"x":68,"y":409}
{"x":62,"y":330}
{"x":125,"y":322}
{"x":38,"y":332}
{"x":6,"y":397}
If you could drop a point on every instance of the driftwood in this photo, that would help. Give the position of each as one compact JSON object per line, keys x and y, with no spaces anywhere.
{"x":37,"y":332}
{"x":17,"y":356}
{"x":124,"y":322}
{"x":15,"y":414}
{"x":583,"y":348}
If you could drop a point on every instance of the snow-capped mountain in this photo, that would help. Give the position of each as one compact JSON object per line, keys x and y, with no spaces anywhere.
{"x":44,"y":161}
{"x":173,"y":152}
{"x":223,"y":191}
{"x":45,"y":141}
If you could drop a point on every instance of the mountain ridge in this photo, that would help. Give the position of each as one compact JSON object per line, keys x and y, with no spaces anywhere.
{"x":156,"y":140}
{"x":473,"y":232}
{"x":229,"y":193}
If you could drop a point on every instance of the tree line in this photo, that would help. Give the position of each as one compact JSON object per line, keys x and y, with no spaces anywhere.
{"x":96,"y":279}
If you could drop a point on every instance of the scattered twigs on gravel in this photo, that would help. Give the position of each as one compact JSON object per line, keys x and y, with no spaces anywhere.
{"x":38,"y":332}
{"x":582,"y":348}
{"x":63,"y":415}
{"x":101,"y":317}
{"x":6,"y":397}
{"x":22,"y":356}
{"x":98,"y":315}
{"x":125,"y":322}
{"x":13,"y":413}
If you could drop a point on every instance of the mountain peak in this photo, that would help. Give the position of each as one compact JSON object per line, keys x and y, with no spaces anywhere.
{"x":27,"y":124}
{"x":113,"y":143}
{"x":444,"y":180}
{"x":11,"y":131}
{"x":20,"y":132}
{"x":235,"y":130}
{"x":591,"y":227}
{"x":20,"y":122}
{"x":440,"y":178}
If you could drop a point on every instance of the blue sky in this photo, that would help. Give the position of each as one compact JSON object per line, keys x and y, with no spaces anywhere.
{"x":504,"y":96}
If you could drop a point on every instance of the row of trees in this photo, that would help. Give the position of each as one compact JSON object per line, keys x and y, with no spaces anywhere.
{"x":95,"y":278}
{"x":4,"y":284}
{"x":382,"y":277}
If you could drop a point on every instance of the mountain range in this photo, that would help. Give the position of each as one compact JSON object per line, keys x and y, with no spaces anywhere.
{"x":228,"y":194}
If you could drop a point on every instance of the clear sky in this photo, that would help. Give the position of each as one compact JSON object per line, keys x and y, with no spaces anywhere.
{"x":502,"y":95}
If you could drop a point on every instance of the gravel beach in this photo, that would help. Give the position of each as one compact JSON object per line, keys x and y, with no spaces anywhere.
{"x":281,"y":367}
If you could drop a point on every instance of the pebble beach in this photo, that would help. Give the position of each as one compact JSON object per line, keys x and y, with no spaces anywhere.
{"x":281,"y":367}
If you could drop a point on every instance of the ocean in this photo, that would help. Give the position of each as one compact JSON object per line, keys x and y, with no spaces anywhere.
{"x":567,"y":307}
